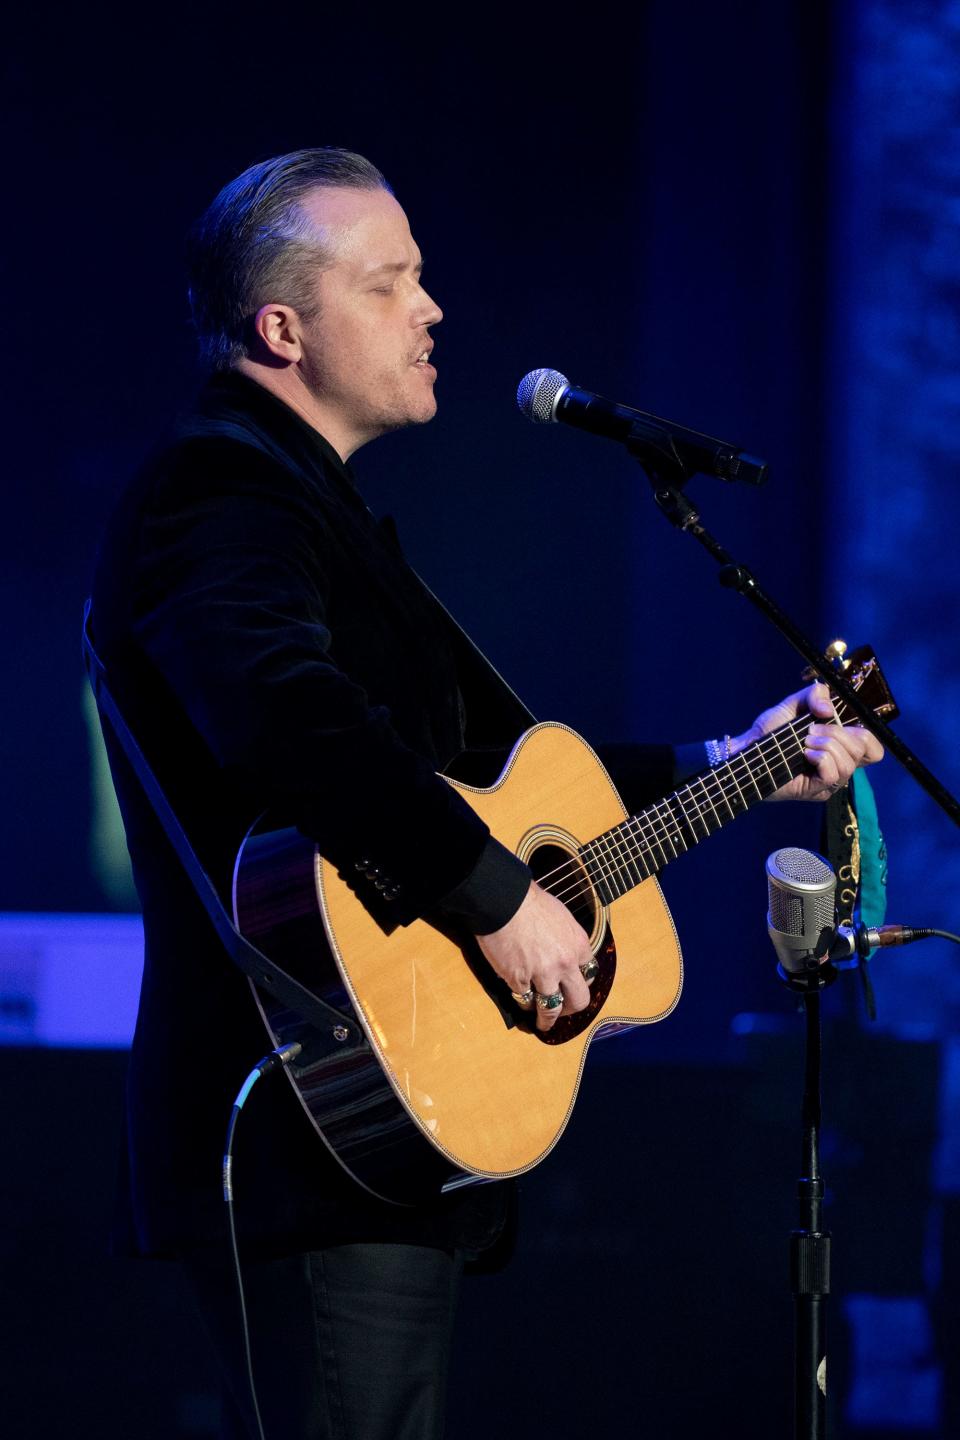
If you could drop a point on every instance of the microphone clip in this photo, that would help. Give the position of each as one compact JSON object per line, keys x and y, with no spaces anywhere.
{"x":672,"y":502}
{"x":653,"y":447}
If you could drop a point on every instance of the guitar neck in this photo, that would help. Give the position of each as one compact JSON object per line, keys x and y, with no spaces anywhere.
{"x":641,"y":846}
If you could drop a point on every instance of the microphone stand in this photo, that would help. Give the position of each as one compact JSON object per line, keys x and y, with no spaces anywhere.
{"x":733,"y":576}
{"x":810,"y":1243}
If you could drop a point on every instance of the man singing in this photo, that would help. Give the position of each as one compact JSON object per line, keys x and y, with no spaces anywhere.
{"x":272,"y":651}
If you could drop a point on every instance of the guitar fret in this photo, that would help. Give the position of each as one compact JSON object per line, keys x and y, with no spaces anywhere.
{"x":633,"y":853}
{"x":660,"y":835}
{"x":720,"y":776}
{"x":678,"y":827}
{"x":702,"y":783}
{"x":643,"y":844}
{"x":649,"y":859}
{"x":644,"y":858}
{"x":796,"y":738}
{"x":590,"y":860}
{"x":615,"y":862}
{"x":656,"y":843}
{"x":679,"y":797}
{"x":621,"y":859}
{"x":783,"y":759}
{"x":705,"y":811}
{"x":628,"y":860}
{"x":641,"y":848}
{"x":748,"y":766}
{"x":609,"y":877}
{"x":639,"y":860}
{"x":671,"y":829}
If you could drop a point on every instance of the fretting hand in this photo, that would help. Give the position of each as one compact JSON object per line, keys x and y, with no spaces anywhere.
{"x":832,"y":751}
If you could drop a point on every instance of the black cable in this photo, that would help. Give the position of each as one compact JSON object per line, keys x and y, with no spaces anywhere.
{"x":274,"y":1061}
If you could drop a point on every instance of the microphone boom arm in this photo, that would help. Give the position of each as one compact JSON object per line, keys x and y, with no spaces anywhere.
{"x":681,"y":513}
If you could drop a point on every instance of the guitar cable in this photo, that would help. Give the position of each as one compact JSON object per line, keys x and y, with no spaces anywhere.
{"x":276,"y":1060}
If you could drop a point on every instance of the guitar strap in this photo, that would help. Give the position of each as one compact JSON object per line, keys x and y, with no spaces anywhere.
{"x":254,"y":964}
{"x":525,"y":716}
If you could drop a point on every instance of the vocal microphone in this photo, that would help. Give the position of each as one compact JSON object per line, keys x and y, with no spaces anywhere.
{"x":545,"y":396}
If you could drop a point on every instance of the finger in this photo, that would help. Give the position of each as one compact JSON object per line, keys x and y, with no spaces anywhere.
{"x":834,"y":764}
{"x":574,"y":995}
{"x":848,"y":748}
{"x":590,"y":969}
{"x":524,"y":999}
{"x":827,"y":763}
{"x":576,"y":992}
{"x":872,"y":749}
{"x":550,"y":1004}
{"x":819,"y":701}
{"x":851,"y":740}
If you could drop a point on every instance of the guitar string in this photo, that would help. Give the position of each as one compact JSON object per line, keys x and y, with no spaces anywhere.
{"x":632,"y":846}
{"x":647,"y":832}
{"x":641,"y":829}
{"x":626,"y":863}
{"x":743,"y":759}
{"x":642,"y":833}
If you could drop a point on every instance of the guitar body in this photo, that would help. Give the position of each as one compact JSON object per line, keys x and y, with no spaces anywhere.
{"x":457,"y":1084}
{"x":454,"y":1083}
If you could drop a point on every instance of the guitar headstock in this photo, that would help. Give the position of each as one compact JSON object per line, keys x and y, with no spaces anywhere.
{"x":861,"y":669}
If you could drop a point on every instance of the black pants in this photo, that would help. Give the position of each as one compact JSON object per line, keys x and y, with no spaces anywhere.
{"x":348,"y":1343}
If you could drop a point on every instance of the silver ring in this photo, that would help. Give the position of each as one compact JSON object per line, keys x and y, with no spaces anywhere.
{"x":550,"y":1002}
{"x":590,"y":969}
{"x":525,"y":1000}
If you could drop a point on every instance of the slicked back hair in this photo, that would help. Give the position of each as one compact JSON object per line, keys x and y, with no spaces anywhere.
{"x":255,"y":244}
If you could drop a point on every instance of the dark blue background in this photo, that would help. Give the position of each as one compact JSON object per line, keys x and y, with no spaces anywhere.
{"x":742,"y":216}
{"x":654,"y":229}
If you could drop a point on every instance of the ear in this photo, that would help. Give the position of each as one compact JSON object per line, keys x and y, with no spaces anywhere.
{"x":277,"y":329}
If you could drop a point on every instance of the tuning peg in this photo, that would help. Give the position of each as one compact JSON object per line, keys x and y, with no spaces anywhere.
{"x":835,"y":653}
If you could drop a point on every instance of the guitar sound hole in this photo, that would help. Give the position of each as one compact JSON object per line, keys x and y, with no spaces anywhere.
{"x":562,"y":874}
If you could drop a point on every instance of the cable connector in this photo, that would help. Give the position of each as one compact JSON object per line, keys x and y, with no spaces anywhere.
{"x":274,"y":1061}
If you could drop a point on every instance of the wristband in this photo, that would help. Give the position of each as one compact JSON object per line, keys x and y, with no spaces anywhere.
{"x":718,"y":751}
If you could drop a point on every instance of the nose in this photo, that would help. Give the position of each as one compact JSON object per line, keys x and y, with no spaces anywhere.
{"x":430,"y":312}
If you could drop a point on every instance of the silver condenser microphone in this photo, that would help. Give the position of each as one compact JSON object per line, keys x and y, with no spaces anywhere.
{"x":801,"y":895}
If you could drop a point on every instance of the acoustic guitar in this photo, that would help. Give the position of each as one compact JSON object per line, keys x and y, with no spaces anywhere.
{"x":455,"y":1085}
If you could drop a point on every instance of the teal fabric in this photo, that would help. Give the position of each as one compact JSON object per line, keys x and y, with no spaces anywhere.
{"x":872,"y":902}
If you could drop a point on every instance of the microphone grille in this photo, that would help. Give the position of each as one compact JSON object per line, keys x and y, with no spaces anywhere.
{"x":801,"y":889}
{"x":803,"y":866}
{"x":538,"y":393}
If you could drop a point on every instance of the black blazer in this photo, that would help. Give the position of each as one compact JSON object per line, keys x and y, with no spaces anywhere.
{"x":272,"y":650}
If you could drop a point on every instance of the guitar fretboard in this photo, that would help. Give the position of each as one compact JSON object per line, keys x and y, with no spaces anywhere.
{"x":636,"y":849}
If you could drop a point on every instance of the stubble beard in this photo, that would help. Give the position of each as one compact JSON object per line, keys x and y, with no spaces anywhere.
{"x":367,"y":416}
